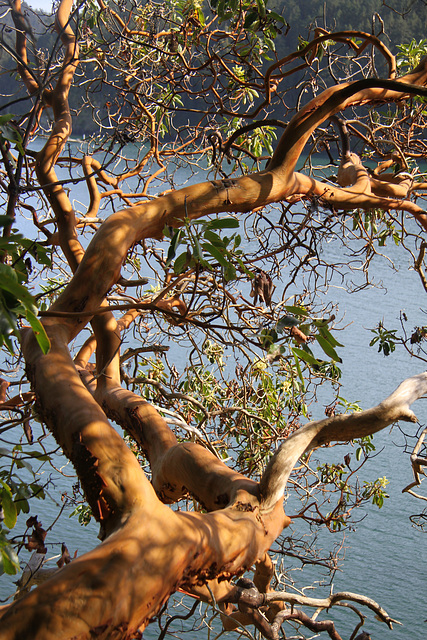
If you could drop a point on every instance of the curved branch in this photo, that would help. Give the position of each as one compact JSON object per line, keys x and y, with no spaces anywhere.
{"x":417,"y":462}
{"x":92,"y":170}
{"x":365,"y":193}
{"x":330,"y":601}
{"x":48,"y":156}
{"x":341,"y":428}
{"x":336,"y":99}
{"x":309,"y":52}
{"x":23,"y":28}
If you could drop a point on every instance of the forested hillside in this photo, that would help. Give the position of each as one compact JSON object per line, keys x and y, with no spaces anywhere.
{"x":400,"y":24}
{"x":395,"y":23}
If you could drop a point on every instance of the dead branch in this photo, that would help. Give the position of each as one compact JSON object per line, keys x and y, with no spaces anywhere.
{"x":340,"y":428}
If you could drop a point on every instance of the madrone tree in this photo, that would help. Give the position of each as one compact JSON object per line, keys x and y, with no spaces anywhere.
{"x":163,"y":91}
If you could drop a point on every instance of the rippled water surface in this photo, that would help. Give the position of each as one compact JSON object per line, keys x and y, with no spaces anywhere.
{"x":385,"y":557}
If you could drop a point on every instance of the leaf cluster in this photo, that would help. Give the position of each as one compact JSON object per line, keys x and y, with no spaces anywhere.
{"x":206,"y":247}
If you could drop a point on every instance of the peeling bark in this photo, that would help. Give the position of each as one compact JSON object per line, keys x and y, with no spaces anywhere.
{"x":150,"y":551}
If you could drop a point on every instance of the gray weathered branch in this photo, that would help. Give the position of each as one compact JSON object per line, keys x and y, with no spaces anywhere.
{"x":340,"y":428}
{"x":328,"y":602}
{"x":417,"y":463}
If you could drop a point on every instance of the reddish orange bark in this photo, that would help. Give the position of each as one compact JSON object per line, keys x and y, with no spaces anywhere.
{"x":149,"y":550}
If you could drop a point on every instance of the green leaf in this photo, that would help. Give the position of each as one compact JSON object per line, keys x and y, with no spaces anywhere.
{"x":9,"y":561}
{"x":301,"y":377}
{"x":244,"y":268}
{"x":286,"y":322}
{"x":297,"y":311}
{"x":276,"y":16}
{"x":39,"y":331}
{"x":328,"y":349}
{"x":229,"y":272}
{"x":6,"y":118}
{"x":10,"y":241}
{"x":9,"y":344}
{"x":305,"y":355}
{"x":23,"y":505}
{"x":180,"y":263}
{"x":201,"y":17}
{"x":7,"y":320}
{"x":11,"y":134}
{"x":204,"y":222}
{"x":276,"y":349}
{"x":267,"y":338}
{"x":39,"y":455}
{"x":9,"y":282}
{"x":197,"y":252}
{"x":216,"y":253}
{"x":324,"y":331}
{"x":37,"y":250}
{"x":13,"y":294}
{"x":20,"y":463}
{"x":214,"y":238}
{"x":250,"y":19}
{"x":5,"y":221}
{"x":270,"y":43}
{"x":224,"y":223}
{"x":173,"y":246}
{"x":261,"y":8}
{"x":9,"y":508}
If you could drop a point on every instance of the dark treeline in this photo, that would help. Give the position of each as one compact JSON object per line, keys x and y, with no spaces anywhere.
{"x":400,"y":20}
{"x":395,"y":21}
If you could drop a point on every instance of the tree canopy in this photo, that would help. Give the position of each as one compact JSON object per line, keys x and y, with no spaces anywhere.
{"x":164,"y":302}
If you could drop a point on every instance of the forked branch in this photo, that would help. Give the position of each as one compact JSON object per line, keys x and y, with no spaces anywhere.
{"x":341,"y":428}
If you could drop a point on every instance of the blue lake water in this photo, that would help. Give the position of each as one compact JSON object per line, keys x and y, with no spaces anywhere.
{"x":385,"y":556}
